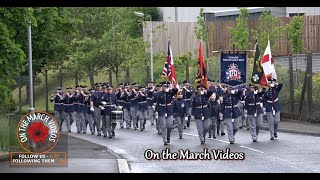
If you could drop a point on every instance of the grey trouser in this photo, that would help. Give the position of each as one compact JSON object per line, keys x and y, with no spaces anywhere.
{"x":255,"y":124}
{"x":97,"y":118}
{"x":134,"y":116}
{"x":151,"y":114}
{"x":166,"y":125}
{"x":220,"y":126}
{"x":79,"y":120}
{"x":273,"y":122}
{"x":213,"y":126}
{"x":202,"y":128}
{"x":143,"y":115}
{"x":68,"y":116}
{"x":88,"y":119}
{"x":107,"y":125}
{"x":57,"y":115}
{"x":126,"y":117}
{"x":180,"y":124}
{"x":232,"y":127}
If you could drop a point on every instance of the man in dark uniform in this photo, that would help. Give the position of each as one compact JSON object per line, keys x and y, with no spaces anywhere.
{"x":58,"y":107}
{"x":68,"y":100}
{"x":150,"y":100}
{"x":134,"y":105}
{"x":88,"y":115}
{"x":126,"y":105}
{"x":273,"y":106}
{"x":187,"y":93}
{"x":214,"y":109}
{"x":119,"y":100}
{"x":231,"y":112}
{"x":179,"y":108}
{"x":95,"y":102}
{"x":109,"y":104}
{"x":253,"y":111}
{"x":200,"y":111}
{"x":156,"y":107}
{"x":165,"y":110}
{"x":79,"y":107}
{"x":142,"y":107}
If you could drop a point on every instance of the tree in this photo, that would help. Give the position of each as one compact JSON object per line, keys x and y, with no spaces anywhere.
{"x":201,"y":29}
{"x":268,"y":27}
{"x":295,"y":33}
{"x":240,"y":33}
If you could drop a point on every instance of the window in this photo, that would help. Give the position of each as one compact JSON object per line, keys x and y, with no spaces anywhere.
{"x":295,"y":14}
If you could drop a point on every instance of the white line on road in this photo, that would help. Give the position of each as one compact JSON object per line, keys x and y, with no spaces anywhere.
{"x":221,"y":140}
{"x":123,"y":166}
{"x":251,"y":149}
{"x":284,"y":161}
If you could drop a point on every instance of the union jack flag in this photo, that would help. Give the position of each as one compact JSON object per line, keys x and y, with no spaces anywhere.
{"x":168,"y":69}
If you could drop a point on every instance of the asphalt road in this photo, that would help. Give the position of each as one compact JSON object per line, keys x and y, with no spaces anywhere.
{"x":83,"y":157}
{"x":290,"y":153}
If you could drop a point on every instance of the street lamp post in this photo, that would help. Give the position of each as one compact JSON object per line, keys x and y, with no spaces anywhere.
{"x":31,"y":108}
{"x":140,"y":14}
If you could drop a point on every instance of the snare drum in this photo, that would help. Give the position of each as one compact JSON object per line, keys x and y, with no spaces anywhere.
{"x":117,"y":115}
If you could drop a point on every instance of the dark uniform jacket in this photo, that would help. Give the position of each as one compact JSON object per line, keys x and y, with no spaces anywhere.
{"x":111,"y":101}
{"x":58,"y":106}
{"x":271,"y":98}
{"x":179,"y":107}
{"x":164,"y":102}
{"x":142,"y":102}
{"x":200,"y":105}
{"x":253,"y":103}
{"x":187,"y":96}
{"x":229,"y":106}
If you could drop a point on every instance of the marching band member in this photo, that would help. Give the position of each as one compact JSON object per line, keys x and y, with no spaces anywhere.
{"x":150,"y":100}
{"x":126,"y":105}
{"x":88,"y":115}
{"x":134,"y":105}
{"x":79,"y":107}
{"x":187,"y":93}
{"x":68,"y":100}
{"x":56,"y":97}
{"x":95,"y":101}
{"x":200,"y":111}
{"x":253,"y":111}
{"x":156,"y":107}
{"x":108,"y":104}
{"x":119,"y":100}
{"x":165,"y":111}
{"x":214,"y":109}
{"x":142,"y":107}
{"x":273,"y":106}
{"x":231,"y":112}
{"x":180,"y":109}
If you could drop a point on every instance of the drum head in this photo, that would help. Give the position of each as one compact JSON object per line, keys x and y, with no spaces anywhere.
{"x":117,"y":112}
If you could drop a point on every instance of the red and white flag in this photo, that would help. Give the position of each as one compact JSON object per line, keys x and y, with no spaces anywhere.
{"x":168,"y":69}
{"x":268,"y":64}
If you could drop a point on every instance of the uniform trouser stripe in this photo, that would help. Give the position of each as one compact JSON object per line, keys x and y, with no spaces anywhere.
{"x":166,"y":125}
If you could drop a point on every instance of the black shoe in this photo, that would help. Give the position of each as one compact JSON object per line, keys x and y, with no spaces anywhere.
{"x":275,"y":135}
{"x":248,"y":128}
{"x":128,"y":127}
{"x":78,"y":132}
{"x":141,"y":129}
{"x":202,"y":142}
{"x":165,"y":143}
{"x":99,"y":134}
{"x":222,"y":134}
{"x":159,"y":133}
{"x":121,"y":127}
{"x":69,"y":131}
{"x":105,"y":136}
{"x":231,"y":142}
{"x":214,"y":137}
{"x":188,"y":125}
{"x":92,"y":133}
{"x":84,"y":132}
{"x":272,"y":138}
{"x":180,"y":136}
{"x":168,"y":140}
{"x":255,"y":140}
{"x":240,"y":127}
{"x":113,"y":134}
{"x":185,"y":127}
{"x":110,"y":137}
{"x":152,"y":124}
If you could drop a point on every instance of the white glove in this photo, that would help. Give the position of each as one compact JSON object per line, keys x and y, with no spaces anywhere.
{"x":157,"y":116}
{"x":103,"y":102}
{"x":221,"y":116}
{"x":261,"y":105}
{"x":91,"y":109}
{"x":186,"y":118}
{"x":242,"y":102}
{"x":154,"y":107}
{"x":264,"y":111}
{"x":245,"y":113}
{"x":101,"y":107}
{"x":201,"y":92}
{"x":120,"y":107}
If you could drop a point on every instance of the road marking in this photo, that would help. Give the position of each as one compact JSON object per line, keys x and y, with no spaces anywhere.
{"x":190,"y":134}
{"x":252,"y":149}
{"x":123,"y":166}
{"x":284,"y":161}
{"x":221,"y":141}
